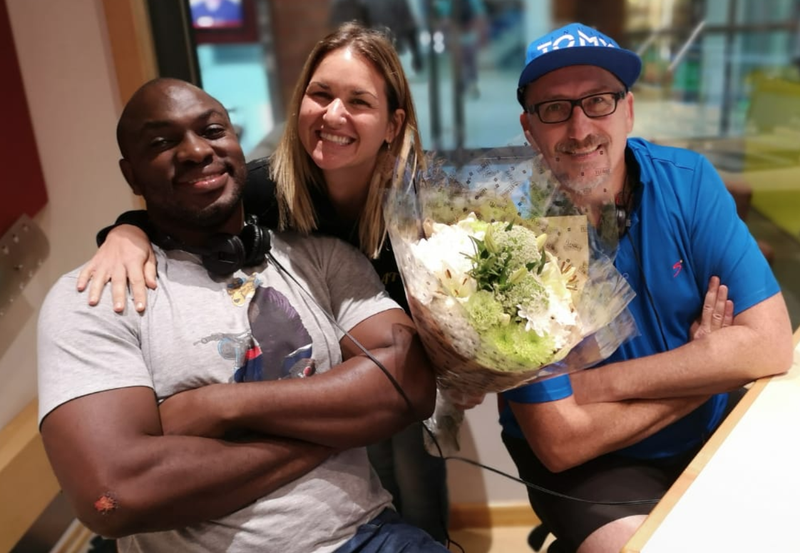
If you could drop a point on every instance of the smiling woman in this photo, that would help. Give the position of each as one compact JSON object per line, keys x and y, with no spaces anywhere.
{"x":350,"y":112}
{"x":344,"y":119}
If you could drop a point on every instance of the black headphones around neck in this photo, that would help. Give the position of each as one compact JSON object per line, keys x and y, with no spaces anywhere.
{"x":623,"y":202}
{"x":224,"y":253}
{"x":621,"y":215}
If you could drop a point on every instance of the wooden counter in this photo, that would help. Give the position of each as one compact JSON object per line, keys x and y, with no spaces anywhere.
{"x":27,"y":483}
{"x":740,"y":492}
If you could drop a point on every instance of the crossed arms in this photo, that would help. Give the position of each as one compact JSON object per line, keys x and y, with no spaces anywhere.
{"x":620,"y":404}
{"x":128,"y":465}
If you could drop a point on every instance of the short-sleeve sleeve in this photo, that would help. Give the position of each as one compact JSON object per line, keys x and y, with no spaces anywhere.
{"x":84,"y":350}
{"x":356,"y":291}
{"x":723,"y":245}
{"x":551,"y":389}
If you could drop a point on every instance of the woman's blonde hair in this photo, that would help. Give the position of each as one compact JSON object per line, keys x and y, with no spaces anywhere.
{"x":294,"y":171}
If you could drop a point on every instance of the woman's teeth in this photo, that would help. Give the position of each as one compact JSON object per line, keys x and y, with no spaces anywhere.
{"x":335,"y":138}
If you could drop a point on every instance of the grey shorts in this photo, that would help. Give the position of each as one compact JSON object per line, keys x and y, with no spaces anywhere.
{"x":610,"y":478}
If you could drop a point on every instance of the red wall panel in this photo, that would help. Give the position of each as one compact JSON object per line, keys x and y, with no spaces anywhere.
{"x":22,"y":187}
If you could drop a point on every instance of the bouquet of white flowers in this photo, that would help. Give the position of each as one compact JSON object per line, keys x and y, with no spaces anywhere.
{"x":501,"y":279}
{"x":515,"y":294}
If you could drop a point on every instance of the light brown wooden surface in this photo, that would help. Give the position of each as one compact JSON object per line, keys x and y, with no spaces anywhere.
{"x":27,"y":483}
{"x":674,"y":494}
{"x":131,"y":43}
{"x":481,"y":515}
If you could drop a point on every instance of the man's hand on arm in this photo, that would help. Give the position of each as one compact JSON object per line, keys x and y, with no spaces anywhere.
{"x":720,"y":357}
{"x":351,"y":405}
{"x":717,"y":311}
{"x":123,"y":476}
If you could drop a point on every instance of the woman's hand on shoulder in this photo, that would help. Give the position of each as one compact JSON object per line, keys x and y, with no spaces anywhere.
{"x":126,"y":259}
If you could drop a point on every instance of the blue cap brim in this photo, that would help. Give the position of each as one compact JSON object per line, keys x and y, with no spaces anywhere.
{"x":624,"y":64}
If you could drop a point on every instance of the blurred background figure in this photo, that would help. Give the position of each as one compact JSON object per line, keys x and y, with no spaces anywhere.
{"x":469,"y":27}
{"x":395,"y":16}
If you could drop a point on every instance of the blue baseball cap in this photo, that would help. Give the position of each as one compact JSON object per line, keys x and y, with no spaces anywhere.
{"x":577,"y":44}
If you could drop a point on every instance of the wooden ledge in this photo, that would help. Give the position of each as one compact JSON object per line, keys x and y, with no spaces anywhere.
{"x":674,"y":494}
{"x":27,"y":483}
{"x":482,"y":515}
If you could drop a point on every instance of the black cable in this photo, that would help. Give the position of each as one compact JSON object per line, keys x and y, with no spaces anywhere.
{"x":335,"y":323}
{"x":452,"y":542}
{"x":389,"y":375}
{"x":430,"y":434}
{"x":530,"y":485}
{"x":552,"y":492}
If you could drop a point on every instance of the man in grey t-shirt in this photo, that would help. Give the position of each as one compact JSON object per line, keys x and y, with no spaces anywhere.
{"x":232,"y":414}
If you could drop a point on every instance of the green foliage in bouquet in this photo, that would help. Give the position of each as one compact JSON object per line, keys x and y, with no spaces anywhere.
{"x":506,"y":256}
{"x":513,"y":291}
{"x":522,"y":346}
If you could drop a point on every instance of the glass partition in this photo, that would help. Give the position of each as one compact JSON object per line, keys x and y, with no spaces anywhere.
{"x":721,"y":77}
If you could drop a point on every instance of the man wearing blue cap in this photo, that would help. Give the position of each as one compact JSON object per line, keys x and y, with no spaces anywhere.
{"x":624,"y":431}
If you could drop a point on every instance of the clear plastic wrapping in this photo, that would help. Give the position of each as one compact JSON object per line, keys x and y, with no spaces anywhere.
{"x":506,"y":281}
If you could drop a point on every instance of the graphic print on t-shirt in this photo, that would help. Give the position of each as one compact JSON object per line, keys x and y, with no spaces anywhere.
{"x":234,"y":347}
{"x":240,"y":290}
{"x":283,"y":346}
{"x":239,"y":347}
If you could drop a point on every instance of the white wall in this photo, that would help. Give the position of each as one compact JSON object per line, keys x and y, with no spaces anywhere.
{"x":480,"y":441}
{"x":71,"y":91}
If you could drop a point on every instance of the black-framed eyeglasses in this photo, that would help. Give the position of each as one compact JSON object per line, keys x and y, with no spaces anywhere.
{"x":594,"y":105}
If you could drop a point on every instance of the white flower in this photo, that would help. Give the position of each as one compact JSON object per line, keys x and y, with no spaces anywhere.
{"x":445,"y":254}
{"x":558,"y":316}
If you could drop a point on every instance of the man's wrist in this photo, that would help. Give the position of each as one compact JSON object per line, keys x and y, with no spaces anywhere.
{"x":594,"y":385}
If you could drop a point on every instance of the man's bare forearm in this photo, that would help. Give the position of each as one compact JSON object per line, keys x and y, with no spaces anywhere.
{"x":141,"y":481}
{"x":189,"y":480}
{"x":353,"y":404}
{"x":564,"y":434}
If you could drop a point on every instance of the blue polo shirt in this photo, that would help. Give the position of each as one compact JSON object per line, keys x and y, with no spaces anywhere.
{"x":685,"y":229}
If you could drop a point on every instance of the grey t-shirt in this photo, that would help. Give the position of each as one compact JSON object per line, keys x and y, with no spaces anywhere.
{"x":198,"y":330}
